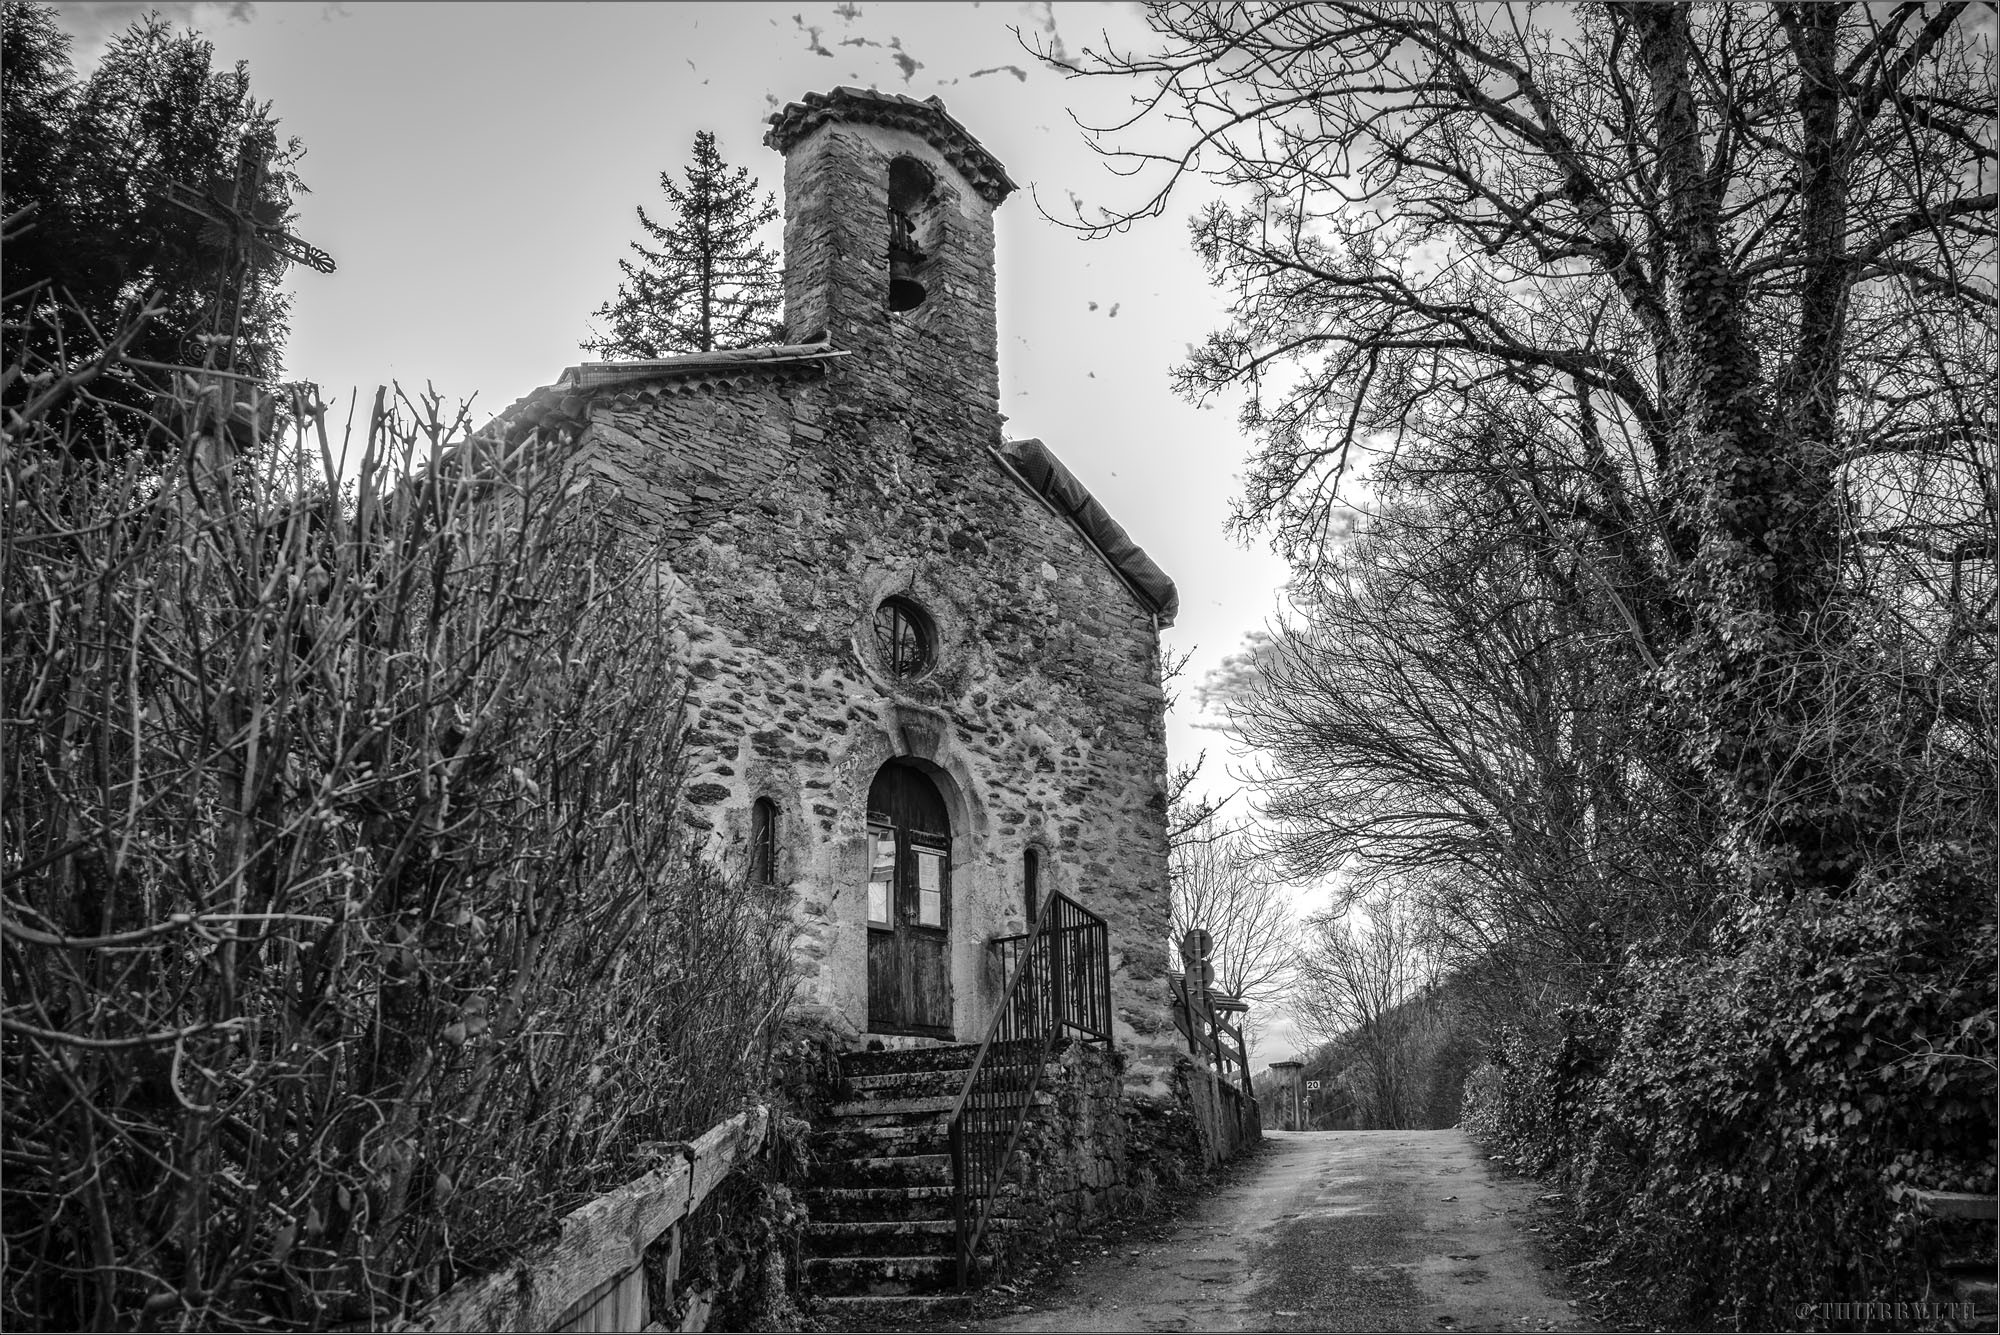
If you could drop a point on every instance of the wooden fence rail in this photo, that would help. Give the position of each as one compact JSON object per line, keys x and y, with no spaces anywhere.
{"x":589,"y":1278}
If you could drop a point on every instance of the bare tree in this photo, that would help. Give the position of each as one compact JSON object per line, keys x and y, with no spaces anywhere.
{"x":1191,"y":816}
{"x":1666,"y":333}
{"x":1364,"y":979}
{"x":1223,"y":887}
{"x":1450,"y":712}
{"x":1735,"y":260}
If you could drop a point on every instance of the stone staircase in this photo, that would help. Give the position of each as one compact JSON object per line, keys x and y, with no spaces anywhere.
{"x":884,"y":1232}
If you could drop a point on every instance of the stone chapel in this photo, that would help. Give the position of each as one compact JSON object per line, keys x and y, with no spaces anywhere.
{"x":927,"y":661}
{"x":925,"y":705}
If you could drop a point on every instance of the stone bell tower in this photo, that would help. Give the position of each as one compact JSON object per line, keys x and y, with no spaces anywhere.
{"x":889,"y":249}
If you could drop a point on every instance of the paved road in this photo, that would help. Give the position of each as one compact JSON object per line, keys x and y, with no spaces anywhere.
{"x":1328,"y":1230}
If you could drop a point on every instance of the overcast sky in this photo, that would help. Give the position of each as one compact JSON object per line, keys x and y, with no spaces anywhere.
{"x":474,"y":170}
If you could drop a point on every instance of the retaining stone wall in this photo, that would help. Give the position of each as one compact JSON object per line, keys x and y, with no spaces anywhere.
{"x":1096,"y":1152}
{"x":1227,"y":1121}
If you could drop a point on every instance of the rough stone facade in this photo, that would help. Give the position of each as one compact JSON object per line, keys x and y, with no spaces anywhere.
{"x":1089,"y":1153}
{"x":1075,"y":1166}
{"x":793,"y":488}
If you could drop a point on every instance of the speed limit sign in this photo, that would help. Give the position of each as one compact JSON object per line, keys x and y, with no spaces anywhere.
{"x":1312,"y":1085}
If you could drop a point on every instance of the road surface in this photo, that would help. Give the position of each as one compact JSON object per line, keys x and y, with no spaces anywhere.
{"x":1326,"y":1230}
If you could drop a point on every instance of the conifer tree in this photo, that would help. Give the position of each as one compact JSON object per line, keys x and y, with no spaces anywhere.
{"x":709,"y":283}
{"x":86,"y":167}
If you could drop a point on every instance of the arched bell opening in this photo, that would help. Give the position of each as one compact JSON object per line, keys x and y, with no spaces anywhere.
{"x":912,"y":189}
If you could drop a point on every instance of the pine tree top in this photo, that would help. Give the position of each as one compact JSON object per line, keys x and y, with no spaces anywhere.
{"x":702,"y":280}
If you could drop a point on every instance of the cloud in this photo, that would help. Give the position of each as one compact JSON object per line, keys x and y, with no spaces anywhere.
{"x":905,"y":62}
{"x":93,"y":26}
{"x":847,"y":11}
{"x":1014,"y":70}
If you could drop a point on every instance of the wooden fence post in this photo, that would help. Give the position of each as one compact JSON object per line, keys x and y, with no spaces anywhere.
{"x":590,"y":1274}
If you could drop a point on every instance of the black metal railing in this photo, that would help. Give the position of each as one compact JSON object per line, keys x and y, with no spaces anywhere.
{"x":1058,"y":981}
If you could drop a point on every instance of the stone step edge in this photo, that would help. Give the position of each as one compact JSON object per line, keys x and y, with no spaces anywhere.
{"x":905,"y":1302}
{"x":937,"y":1057}
{"x":854,"y":1311}
{"x":925,"y":1163}
{"x":855,"y":1228}
{"x":897,"y":1263}
{"x":1050,"y":1071}
{"x":918,"y":1192}
{"x":939,"y":1103}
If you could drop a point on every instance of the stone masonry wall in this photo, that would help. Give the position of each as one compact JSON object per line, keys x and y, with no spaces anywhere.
{"x":1227,"y":1121}
{"x":1092,"y":1152}
{"x":1073,"y":1164}
{"x":1042,"y":721}
{"x":1041,"y":724}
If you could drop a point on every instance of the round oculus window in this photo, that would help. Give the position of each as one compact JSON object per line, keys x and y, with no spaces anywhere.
{"x":905,"y":637}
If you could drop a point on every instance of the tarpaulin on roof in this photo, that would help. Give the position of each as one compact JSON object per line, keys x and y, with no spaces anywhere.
{"x":1040,"y":469}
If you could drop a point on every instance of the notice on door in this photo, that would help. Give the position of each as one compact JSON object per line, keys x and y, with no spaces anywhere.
{"x":881,"y":876}
{"x":930,"y":888}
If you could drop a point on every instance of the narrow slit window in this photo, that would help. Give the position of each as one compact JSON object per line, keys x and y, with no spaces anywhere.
{"x":1031,"y":880}
{"x":881,"y":876}
{"x":763,"y":841}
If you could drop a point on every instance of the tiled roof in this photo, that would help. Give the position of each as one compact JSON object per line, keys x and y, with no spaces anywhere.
{"x":625,"y":383}
{"x":925,"y":118}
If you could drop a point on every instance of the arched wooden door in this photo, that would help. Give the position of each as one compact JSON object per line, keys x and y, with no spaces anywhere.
{"x":909,"y":904}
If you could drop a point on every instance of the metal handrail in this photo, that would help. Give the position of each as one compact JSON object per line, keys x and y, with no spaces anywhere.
{"x":1052,"y":986}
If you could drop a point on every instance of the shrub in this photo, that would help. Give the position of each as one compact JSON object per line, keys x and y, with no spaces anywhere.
{"x":1745,"y":1133}
{"x":350,"y":929}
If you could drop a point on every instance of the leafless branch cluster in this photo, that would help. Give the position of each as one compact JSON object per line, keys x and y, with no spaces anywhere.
{"x":1221,"y":885}
{"x":1668,"y":331}
{"x":348,"y":926}
{"x":1366,"y":982}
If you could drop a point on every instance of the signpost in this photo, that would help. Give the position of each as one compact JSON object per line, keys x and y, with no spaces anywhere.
{"x":1199,"y":974}
{"x":1289,"y":1073}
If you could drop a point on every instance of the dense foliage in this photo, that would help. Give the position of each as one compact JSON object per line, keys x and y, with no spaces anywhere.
{"x":89,"y":168}
{"x":1737,"y":1111}
{"x":706,"y":282}
{"x":349,"y":924}
{"x":1660,"y":683}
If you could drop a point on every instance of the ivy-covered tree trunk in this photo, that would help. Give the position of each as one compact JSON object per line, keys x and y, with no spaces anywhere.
{"x":1750,"y":682}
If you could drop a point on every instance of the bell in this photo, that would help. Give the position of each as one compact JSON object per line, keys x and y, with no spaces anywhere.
{"x":906,"y":292}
